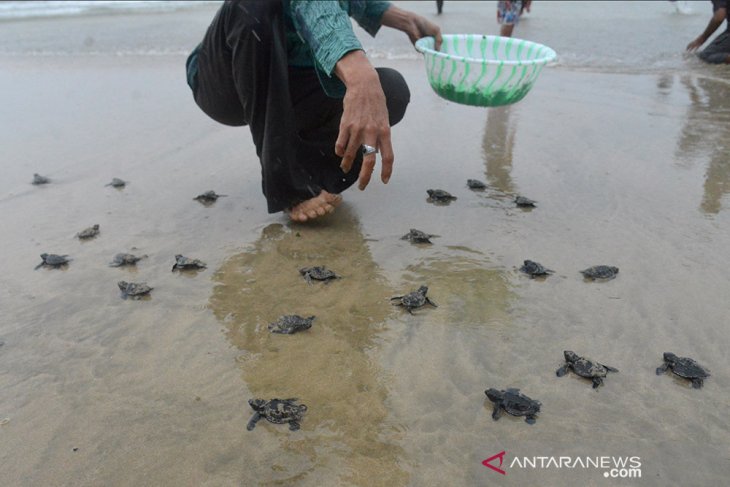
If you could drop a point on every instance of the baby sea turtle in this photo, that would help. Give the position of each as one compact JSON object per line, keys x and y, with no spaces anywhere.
{"x":523,"y":202}
{"x":535,"y":269}
{"x":439,"y":196}
{"x":413,"y":300}
{"x":185,"y":263}
{"x":290,"y":324}
{"x":117,"y":183}
{"x":54,"y":261}
{"x":584,"y":368}
{"x":606,"y":272}
{"x":276,"y":411}
{"x":125,"y":259}
{"x":417,"y":236}
{"x":134,"y":290}
{"x":208,"y":197}
{"x":515,"y":403}
{"x":317,"y":273}
{"x":38,"y":179}
{"x":684,"y":367}
{"x":88,"y":233}
{"x":475,"y":184}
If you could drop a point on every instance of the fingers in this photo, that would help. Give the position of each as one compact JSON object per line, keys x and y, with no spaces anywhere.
{"x":368,"y":162}
{"x":439,"y":39}
{"x":386,"y":152}
{"x":366,"y":171}
{"x":340,"y":145}
{"x":353,"y":145}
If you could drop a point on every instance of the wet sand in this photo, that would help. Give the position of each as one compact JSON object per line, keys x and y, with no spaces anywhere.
{"x":628,"y":170}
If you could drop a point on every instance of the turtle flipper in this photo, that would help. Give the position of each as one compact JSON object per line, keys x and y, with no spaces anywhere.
{"x":38,"y":266}
{"x":597,"y":381}
{"x":697,"y":383}
{"x":562,"y":370}
{"x":497,"y":411}
{"x":293,"y":425}
{"x":530,"y":419}
{"x":429,"y":301}
{"x":252,"y":422}
{"x":662,"y":369}
{"x":609,"y":368}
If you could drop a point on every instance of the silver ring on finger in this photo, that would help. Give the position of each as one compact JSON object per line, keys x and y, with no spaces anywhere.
{"x":369,"y":149}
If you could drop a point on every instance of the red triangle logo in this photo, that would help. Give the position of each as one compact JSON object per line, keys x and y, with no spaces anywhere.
{"x":499,"y":455}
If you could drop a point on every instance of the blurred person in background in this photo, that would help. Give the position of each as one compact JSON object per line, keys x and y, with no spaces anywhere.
{"x":508,"y":14}
{"x":718,"y":51}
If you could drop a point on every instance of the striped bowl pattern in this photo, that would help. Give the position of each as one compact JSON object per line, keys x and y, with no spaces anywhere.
{"x":480,"y":70}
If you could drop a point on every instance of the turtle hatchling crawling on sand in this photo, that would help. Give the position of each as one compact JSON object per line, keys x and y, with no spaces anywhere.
{"x":54,"y":261}
{"x":606,"y":272}
{"x":125,"y":259}
{"x":134,"y":290}
{"x":413,"y":300}
{"x":276,"y":411}
{"x":523,"y":202}
{"x":88,"y":233}
{"x":185,"y":263}
{"x":684,"y":367}
{"x":290,"y":324}
{"x":584,"y":368}
{"x":317,"y":273}
{"x":117,"y":183}
{"x":38,"y":179}
{"x":209,"y":197}
{"x":417,"y":236}
{"x":439,"y":196}
{"x":535,"y":269}
{"x":475,"y":184}
{"x":513,"y":402}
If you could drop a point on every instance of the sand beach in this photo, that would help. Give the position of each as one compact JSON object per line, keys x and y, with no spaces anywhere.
{"x":624,"y":145}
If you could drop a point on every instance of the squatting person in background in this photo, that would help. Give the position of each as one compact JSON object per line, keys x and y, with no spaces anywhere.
{"x":718,"y":52}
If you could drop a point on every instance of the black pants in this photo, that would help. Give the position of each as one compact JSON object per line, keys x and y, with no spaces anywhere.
{"x":718,"y":50}
{"x":244,"y":79}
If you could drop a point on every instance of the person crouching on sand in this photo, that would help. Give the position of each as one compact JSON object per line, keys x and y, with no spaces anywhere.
{"x":718,"y":52}
{"x":296,"y":74}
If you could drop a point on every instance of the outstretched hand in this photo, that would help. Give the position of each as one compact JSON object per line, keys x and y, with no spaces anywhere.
{"x":364,"y":119}
{"x":414,"y":26}
{"x":419,"y":27}
{"x":695,"y":44}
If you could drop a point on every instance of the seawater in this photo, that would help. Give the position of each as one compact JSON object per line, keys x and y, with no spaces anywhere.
{"x":614,"y":37}
{"x":35,"y":9}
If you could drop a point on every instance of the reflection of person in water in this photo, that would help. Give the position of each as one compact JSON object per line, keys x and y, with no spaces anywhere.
{"x":701,"y":134}
{"x":497,"y":145}
{"x":718,"y":52}
{"x":327,"y":367}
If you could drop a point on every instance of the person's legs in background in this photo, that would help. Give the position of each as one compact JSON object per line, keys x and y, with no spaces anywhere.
{"x":718,"y":51}
{"x":508,"y":15}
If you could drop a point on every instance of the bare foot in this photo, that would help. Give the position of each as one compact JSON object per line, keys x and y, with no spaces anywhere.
{"x":315,"y":207}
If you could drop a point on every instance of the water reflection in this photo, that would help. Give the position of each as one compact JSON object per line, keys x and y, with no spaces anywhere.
{"x":498,"y":144}
{"x":705,"y":132}
{"x":329,"y":367}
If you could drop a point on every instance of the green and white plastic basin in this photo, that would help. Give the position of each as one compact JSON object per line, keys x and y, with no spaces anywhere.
{"x":485,"y":71}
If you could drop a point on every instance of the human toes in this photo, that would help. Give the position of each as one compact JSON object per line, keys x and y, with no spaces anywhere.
{"x":333,"y":199}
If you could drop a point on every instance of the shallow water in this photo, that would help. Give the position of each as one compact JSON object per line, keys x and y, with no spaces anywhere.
{"x":628,"y":169}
